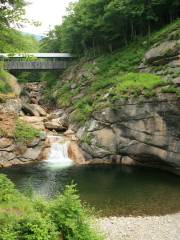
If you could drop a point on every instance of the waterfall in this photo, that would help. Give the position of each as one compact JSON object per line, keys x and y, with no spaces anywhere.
{"x":58,"y":156}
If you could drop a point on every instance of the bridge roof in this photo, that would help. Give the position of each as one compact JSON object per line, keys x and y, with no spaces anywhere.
{"x":38,"y":55}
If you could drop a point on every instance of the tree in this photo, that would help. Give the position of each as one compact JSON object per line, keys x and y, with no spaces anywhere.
{"x":11,"y":11}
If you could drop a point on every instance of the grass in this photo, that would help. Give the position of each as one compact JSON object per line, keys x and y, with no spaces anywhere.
{"x":133,"y":84}
{"x":33,"y":218}
{"x":24,"y":132}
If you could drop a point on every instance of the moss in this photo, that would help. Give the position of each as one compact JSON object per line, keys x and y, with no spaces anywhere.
{"x":169,"y":89}
{"x":24,"y":132}
{"x":133,"y":84}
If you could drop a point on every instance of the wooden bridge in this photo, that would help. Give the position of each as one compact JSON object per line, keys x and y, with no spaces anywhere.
{"x":35,"y":61}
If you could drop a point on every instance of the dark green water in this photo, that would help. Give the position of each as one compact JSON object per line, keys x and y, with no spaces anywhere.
{"x":115,"y":190}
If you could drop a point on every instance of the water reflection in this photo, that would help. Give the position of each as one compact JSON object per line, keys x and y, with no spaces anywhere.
{"x":115,"y":190}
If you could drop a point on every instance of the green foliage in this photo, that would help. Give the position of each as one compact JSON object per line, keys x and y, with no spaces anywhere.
{"x":11,"y":12}
{"x":24,"y":132}
{"x":37,"y":219}
{"x":84,"y":108}
{"x":100,"y":25}
{"x":4,"y":86}
{"x":7,"y":189}
{"x":135,"y":83}
{"x":37,"y":227}
{"x":171,"y":89}
{"x":13,"y":41}
{"x":71,"y":217}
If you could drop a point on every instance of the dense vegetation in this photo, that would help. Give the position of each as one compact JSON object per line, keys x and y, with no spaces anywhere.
{"x":112,"y":76}
{"x":109,"y":24}
{"x":12,"y":14}
{"x":13,"y":41}
{"x":23,"y":217}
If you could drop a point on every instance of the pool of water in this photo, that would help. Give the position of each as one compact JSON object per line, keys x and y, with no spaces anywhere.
{"x":115,"y":190}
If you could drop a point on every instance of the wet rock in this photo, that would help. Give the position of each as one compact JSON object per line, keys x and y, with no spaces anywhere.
{"x":127,"y":161}
{"x":75,"y":153}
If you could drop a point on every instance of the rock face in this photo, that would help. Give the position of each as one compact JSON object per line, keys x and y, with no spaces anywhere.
{"x":164,"y":60}
{"x":13,"y":153}
{"x":136,"y":133}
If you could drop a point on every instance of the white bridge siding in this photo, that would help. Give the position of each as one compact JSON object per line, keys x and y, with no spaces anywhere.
{"x":37,"y":55}
{"x":45,"y":61}
{"x":45,"y":65}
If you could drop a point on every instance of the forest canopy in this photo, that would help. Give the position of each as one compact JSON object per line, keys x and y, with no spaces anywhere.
{"x":109,"y":24}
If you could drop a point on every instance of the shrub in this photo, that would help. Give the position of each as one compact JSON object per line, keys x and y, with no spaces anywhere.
{"x":37,"y":227}
{"x":7,"y":189}
{"x":71,"y":217}
{"x":8,"y":226}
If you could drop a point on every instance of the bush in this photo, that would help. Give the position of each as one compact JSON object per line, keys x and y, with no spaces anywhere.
{"x":37,"y":227}
{"x":7,"y":189}
{"x":72,"y":219}
{"x":64,"y":218}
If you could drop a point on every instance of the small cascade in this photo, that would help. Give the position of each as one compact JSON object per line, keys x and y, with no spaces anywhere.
{"x":59,"y":152}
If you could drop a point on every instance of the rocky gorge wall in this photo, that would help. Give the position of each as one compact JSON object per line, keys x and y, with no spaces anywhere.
{"x":135,"y":133}
{"x":141,"y":131}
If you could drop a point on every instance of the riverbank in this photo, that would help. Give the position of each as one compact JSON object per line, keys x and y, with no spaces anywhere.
{"x":141,"y":228}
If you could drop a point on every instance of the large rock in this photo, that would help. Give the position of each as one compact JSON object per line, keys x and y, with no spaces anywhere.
{"x":39,"y":109}
{"x":36,"y":122}
{"x":32,"y":154}
{"x":56,"y":124}
{"x":57,"y":121}
{"x":146,"y":134}
{"x":163,"y":51}
{"x":11,"y":105}
{"x":30,"y":110}
{"x":75,"y":153}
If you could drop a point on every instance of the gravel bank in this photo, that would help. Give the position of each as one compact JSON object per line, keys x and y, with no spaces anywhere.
{"x":141,"y":228}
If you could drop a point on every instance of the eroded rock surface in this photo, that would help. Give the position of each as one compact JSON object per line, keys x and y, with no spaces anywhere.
{"x":139,"y":133}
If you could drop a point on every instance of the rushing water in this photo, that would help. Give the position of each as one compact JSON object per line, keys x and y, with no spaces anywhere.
{"x":115,"y":190}
{"x":58,"y":157}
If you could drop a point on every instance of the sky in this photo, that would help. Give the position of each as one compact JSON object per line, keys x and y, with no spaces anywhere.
{"x":48,"y":12}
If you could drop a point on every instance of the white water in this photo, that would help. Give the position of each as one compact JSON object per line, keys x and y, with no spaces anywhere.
{"x":58,"y":156}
